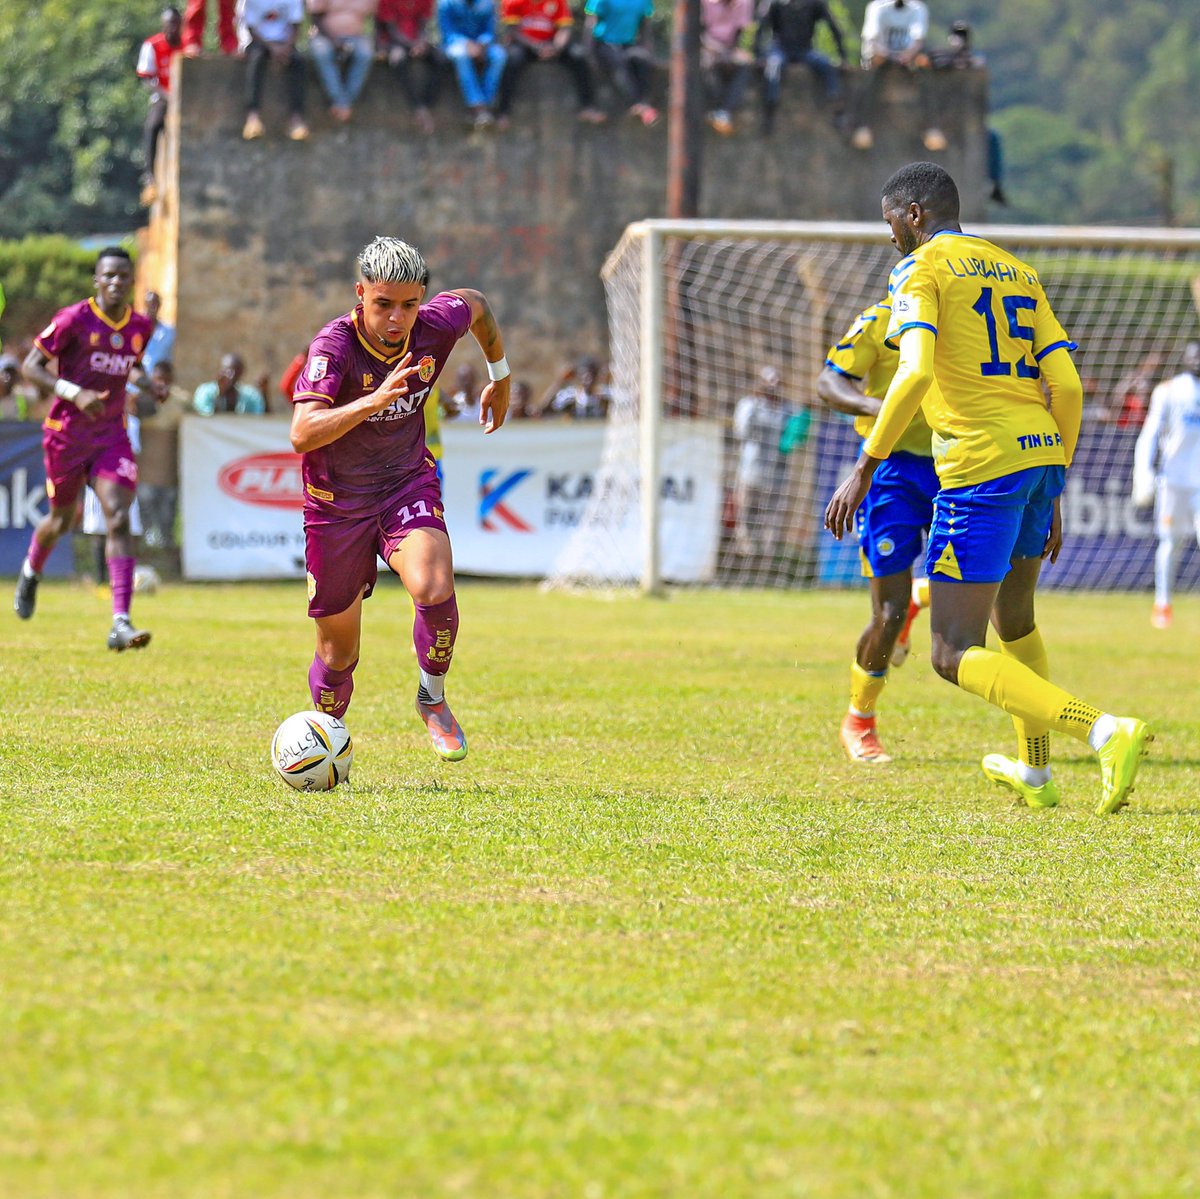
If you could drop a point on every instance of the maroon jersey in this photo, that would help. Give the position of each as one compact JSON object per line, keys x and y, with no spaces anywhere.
{"x":96,"y":353}
{"x":350,"y":475}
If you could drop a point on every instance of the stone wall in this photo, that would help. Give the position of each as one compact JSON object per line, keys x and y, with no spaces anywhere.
{"x":253,"y":244}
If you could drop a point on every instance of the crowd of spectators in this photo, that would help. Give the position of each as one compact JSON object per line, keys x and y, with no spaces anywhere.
{"x":489,"y":45}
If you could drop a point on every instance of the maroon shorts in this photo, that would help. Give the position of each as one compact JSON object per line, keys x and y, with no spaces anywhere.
{"x":72,"y":460}
{"x":342,"y":552}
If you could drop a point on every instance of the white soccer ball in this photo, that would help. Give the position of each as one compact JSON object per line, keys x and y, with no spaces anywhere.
{"x":146,"y":580}
{"x":312,"y":751}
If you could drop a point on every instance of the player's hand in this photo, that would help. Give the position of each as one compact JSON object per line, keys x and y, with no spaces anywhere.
{"x":1143,"y":488}
{"x":839,"y":513}
{"x":91,"y":403}
{"x":393,"y":387}
{"x":493,"y":404}
{"x":1054,"y":539}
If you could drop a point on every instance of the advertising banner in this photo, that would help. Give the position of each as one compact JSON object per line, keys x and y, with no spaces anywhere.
{"x":1108,"y":543}
{"x":23,"y":498}
{"x":512,"y":499}
{"x":241,"y":499}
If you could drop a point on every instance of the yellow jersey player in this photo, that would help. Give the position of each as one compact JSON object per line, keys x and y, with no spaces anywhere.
{"x":892,"y":521}
{"x":974,"y":318}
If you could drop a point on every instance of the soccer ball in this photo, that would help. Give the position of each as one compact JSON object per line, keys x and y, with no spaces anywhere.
{"x":146,"y":580}
{"x":312,"y":751}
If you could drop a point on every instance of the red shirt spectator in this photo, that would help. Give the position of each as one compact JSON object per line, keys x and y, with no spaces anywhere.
{"x":409,"y":17}
{"x":154,"y":61}
{"x":536,"y":20}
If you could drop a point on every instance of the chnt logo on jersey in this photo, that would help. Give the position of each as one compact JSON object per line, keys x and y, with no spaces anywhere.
{"x":318,"y":368}
{"x":425,"y":368}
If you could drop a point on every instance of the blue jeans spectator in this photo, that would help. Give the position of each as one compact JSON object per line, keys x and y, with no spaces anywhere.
{"x":775,"y":61}
{"x":478,"y":79}
{"x":343,"y":89}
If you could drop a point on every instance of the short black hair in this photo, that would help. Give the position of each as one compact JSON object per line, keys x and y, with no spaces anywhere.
{"x":924,"y":183}
{"x":112,"y":252}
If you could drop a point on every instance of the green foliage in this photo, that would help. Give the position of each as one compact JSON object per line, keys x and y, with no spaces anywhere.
{"x":654,"y":939}
{"x":71,"y":112}
{"x":40,"y":276}
{"x":1096,"y":100}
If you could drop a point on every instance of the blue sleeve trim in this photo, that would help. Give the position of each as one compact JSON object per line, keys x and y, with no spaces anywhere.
{"x":833,"y":366}
{"x":892,"y":342}
{"x":1058,"y":345}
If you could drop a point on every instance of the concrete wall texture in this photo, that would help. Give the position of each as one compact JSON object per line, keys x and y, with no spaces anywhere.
{"x":253,"y":243}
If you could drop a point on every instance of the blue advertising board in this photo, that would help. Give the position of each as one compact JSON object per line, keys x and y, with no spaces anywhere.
{"x":1108,"y":543}
{"x":23,"y":498}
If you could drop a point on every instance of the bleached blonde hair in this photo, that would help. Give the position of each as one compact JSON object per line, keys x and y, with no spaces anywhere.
{"x":390,"y":260}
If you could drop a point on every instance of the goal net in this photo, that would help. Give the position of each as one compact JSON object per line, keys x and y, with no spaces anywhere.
{"x":700,"y":485}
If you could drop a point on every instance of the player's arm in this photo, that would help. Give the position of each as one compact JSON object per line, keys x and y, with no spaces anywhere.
{"x":36,"y":369}
{"x":1146,"y":447}
{"x":908,"y":387}
{"x":493,"y":403}
{"x":840,"y":392}
{"x":316,"y":423}
{"x":1066,"y":397}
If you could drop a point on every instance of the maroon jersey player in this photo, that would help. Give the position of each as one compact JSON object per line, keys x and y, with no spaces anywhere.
{"x":370,"y":484}
{"x":95,"y":343}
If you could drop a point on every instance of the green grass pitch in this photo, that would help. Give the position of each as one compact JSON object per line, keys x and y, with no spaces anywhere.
{"x":655,"y":937}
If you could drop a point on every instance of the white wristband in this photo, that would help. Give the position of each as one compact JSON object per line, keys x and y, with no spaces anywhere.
{"x":498,"y":370}
{"x":66,"y":389}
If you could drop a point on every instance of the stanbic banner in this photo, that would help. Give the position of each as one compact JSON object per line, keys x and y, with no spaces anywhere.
{"x":23,"y":498}
{"x":241,"y":499}
{"x":512,"y":498}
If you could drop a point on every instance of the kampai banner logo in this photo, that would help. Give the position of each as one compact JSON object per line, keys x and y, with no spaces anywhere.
{"x":495,"y":489}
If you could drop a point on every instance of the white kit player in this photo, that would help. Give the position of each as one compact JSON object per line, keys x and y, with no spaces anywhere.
{"x":1166,"y":470}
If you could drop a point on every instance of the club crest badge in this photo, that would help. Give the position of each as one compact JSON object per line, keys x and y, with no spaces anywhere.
{"x":425,"y":368}
{"x":318,"y":368}
{"x":116,"y":340}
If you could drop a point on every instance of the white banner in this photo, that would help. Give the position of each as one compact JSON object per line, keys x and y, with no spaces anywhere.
{"x":512,"y":498}
{"x":241,"y":499}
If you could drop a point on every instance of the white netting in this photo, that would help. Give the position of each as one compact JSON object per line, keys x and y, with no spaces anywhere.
{"x":737,"y":510}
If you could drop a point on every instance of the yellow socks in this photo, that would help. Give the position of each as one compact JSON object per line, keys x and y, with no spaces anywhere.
{"x":1021,"y":692}
{"x":1033,"y":737}
{"x":864,"y":690}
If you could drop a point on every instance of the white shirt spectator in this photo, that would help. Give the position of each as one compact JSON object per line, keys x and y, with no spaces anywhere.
{"x":269,"y":20}
{"x":891,"y":27}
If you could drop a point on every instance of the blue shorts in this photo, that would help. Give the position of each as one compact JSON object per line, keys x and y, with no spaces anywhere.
{"x":897,"y":511}
{"x":979,"y":530}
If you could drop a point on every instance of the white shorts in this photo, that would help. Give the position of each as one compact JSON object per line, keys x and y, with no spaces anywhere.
{"x":93,"y":515}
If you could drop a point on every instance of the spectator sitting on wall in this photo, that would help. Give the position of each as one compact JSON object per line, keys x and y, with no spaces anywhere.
{"x":162,"y":406}
{"x":726,"y":64}
{"x":161,"y":344}
{"x":786,"y":31}
{"x":466,"y":393}
{"x":620,"y":36}
{"x":269,"y":30}
{"x":578,"y":392}
{"x":341,"y":50}
{"x":894,"y":33}
{"x":227,"y":393}
{"x":402,"y":38}
{"x":540,"y":31}
{"x":521,"y":405}
{"x":154,"y":70}
{"x":193,"y":27}
{"x":468,"y":29}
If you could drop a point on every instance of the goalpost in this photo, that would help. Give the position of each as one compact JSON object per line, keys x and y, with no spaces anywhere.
{"x":698,"y":309}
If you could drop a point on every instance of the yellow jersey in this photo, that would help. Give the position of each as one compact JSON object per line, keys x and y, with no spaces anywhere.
{"x":993,"y":325}
{"x":861,"y":355}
